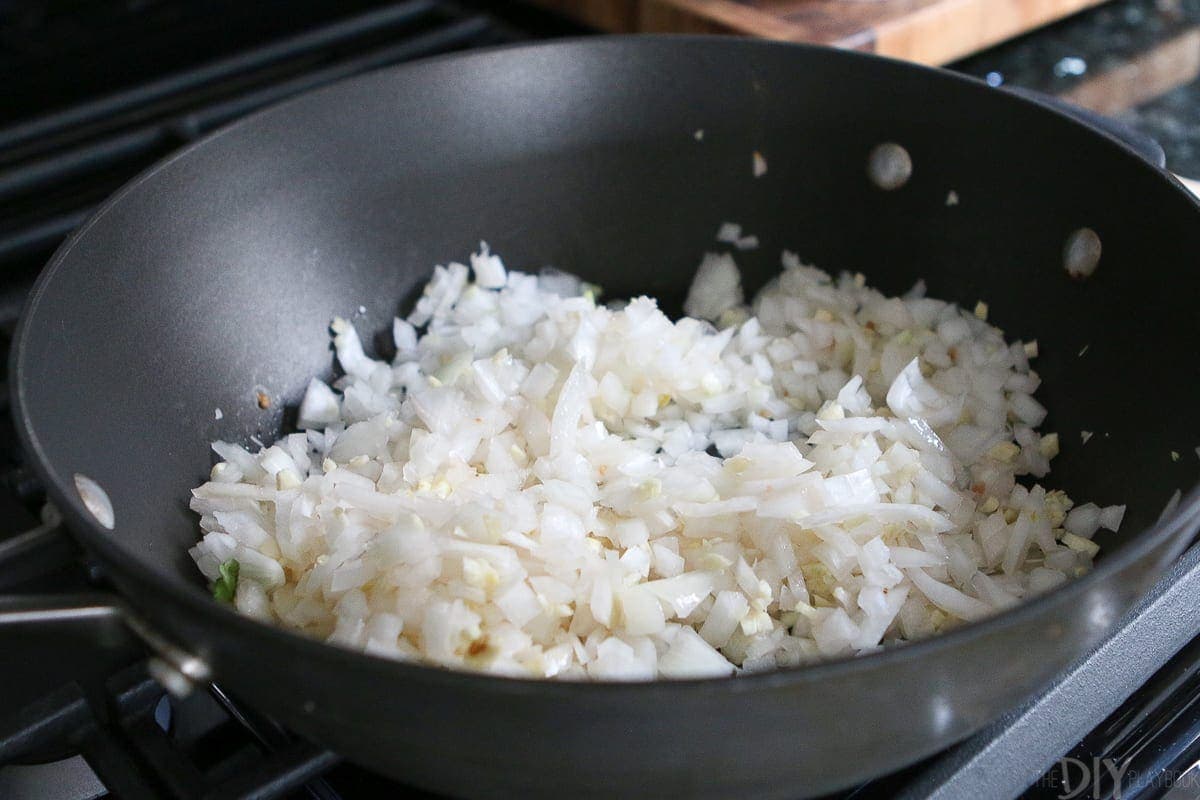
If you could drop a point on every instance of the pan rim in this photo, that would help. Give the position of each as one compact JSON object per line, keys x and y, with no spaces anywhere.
{"x":98,"y":541}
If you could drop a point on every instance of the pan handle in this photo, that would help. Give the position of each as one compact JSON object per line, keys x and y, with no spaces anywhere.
{"x":98,"y":616}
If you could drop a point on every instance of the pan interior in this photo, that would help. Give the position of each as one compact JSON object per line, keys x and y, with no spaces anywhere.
{"x":214,"y":278}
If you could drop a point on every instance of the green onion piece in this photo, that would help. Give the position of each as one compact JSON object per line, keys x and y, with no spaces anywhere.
{"x":224,"y":588}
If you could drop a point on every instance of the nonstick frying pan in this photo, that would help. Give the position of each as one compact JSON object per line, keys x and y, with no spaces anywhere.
{"x":214,"y":276}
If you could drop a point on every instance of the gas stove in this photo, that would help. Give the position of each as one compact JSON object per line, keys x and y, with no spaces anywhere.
{"x":96,"y":95}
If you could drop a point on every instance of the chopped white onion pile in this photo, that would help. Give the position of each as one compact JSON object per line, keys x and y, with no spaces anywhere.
{"x":542,"y":486}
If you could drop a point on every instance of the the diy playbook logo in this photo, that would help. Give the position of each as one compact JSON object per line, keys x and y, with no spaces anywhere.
{"x":1096,"y":778}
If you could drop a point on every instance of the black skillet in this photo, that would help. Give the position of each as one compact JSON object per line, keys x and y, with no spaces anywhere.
{"x":215,"y":274}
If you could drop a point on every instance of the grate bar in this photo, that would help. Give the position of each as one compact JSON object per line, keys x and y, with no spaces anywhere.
{"x":279,"y":773}
{"x":316,"y":40}
{"x":152,"y":141}
{"x":42,"y":235}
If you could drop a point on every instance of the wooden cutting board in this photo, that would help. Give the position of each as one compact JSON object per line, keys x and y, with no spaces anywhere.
{"x":928,"y":31}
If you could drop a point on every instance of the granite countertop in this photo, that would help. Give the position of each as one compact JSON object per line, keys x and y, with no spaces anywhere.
{"x":1135,"y":60}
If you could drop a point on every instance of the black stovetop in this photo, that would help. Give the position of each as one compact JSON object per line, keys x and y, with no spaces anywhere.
{"x":95,"y":94}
